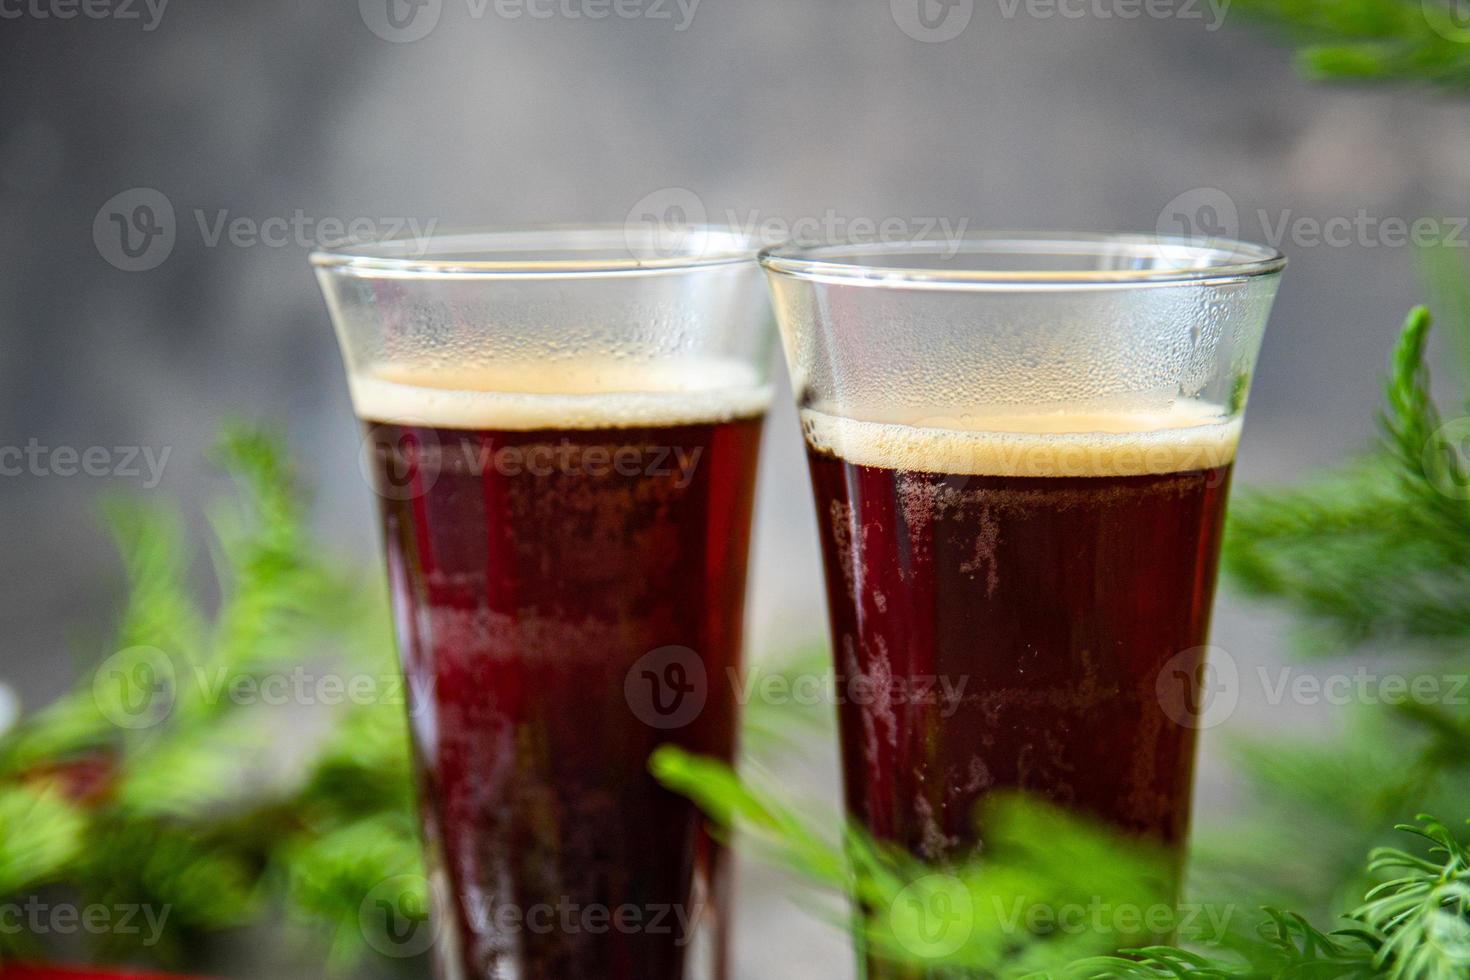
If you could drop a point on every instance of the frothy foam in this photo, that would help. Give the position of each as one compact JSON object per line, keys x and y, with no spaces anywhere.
{"x":573,"y":395}
{"x":1190,"y":435}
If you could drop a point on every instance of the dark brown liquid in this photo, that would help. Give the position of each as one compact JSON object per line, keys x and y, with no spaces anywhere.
{"x":524,"y":590}
{"x":1056,"y":602}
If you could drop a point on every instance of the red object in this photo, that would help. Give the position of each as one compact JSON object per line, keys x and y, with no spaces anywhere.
{"x":551,"y":619}
{"x":87,"y":781}
{"x":1070,"y":605}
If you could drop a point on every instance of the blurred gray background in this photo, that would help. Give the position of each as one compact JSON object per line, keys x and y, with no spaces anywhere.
{"x":762,"y":108}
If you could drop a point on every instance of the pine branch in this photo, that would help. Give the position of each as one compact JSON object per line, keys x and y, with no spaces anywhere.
{"x":1415,"y":41}
{"x":1038,"y":860}
{"x":1423,"y":915}
{"x":1381,"y":549}
{"x":1415,"y":926}
{"x":135,"y":787}
{"x":41,"y":835}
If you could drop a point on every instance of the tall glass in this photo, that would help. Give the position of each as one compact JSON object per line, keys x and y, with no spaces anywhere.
{"x":562,"y":429}
{"x":1020,"y":448}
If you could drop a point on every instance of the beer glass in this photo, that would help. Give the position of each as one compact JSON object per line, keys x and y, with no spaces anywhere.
{"x":1020,"y":447}
{"x":562,"y":427}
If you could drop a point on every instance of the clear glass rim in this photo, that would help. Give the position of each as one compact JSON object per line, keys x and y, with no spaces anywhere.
{"x":1180,"y":260}
{"x":544,"y":251}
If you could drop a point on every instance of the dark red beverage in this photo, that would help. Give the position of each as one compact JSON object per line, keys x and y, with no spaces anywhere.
{"x":531,"y":569}
{"x":1013,"y":619}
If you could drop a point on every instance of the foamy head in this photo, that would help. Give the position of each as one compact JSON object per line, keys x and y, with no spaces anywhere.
{"x":582,"y":394}
{"x":1190,"y":435}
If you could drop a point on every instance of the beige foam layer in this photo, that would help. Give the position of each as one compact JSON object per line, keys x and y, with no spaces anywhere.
{"x":573,"y":395}
{"x":1188,"y":436}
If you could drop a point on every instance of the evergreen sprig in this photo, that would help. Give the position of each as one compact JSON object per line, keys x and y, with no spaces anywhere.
{"x":1375,"y":554}
{"x":1423,"y":41}
{"x":1415,"y":926}
{"x":1381,"y":549}
{"x":1423,"y":915}
{"x":151,"y":784}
